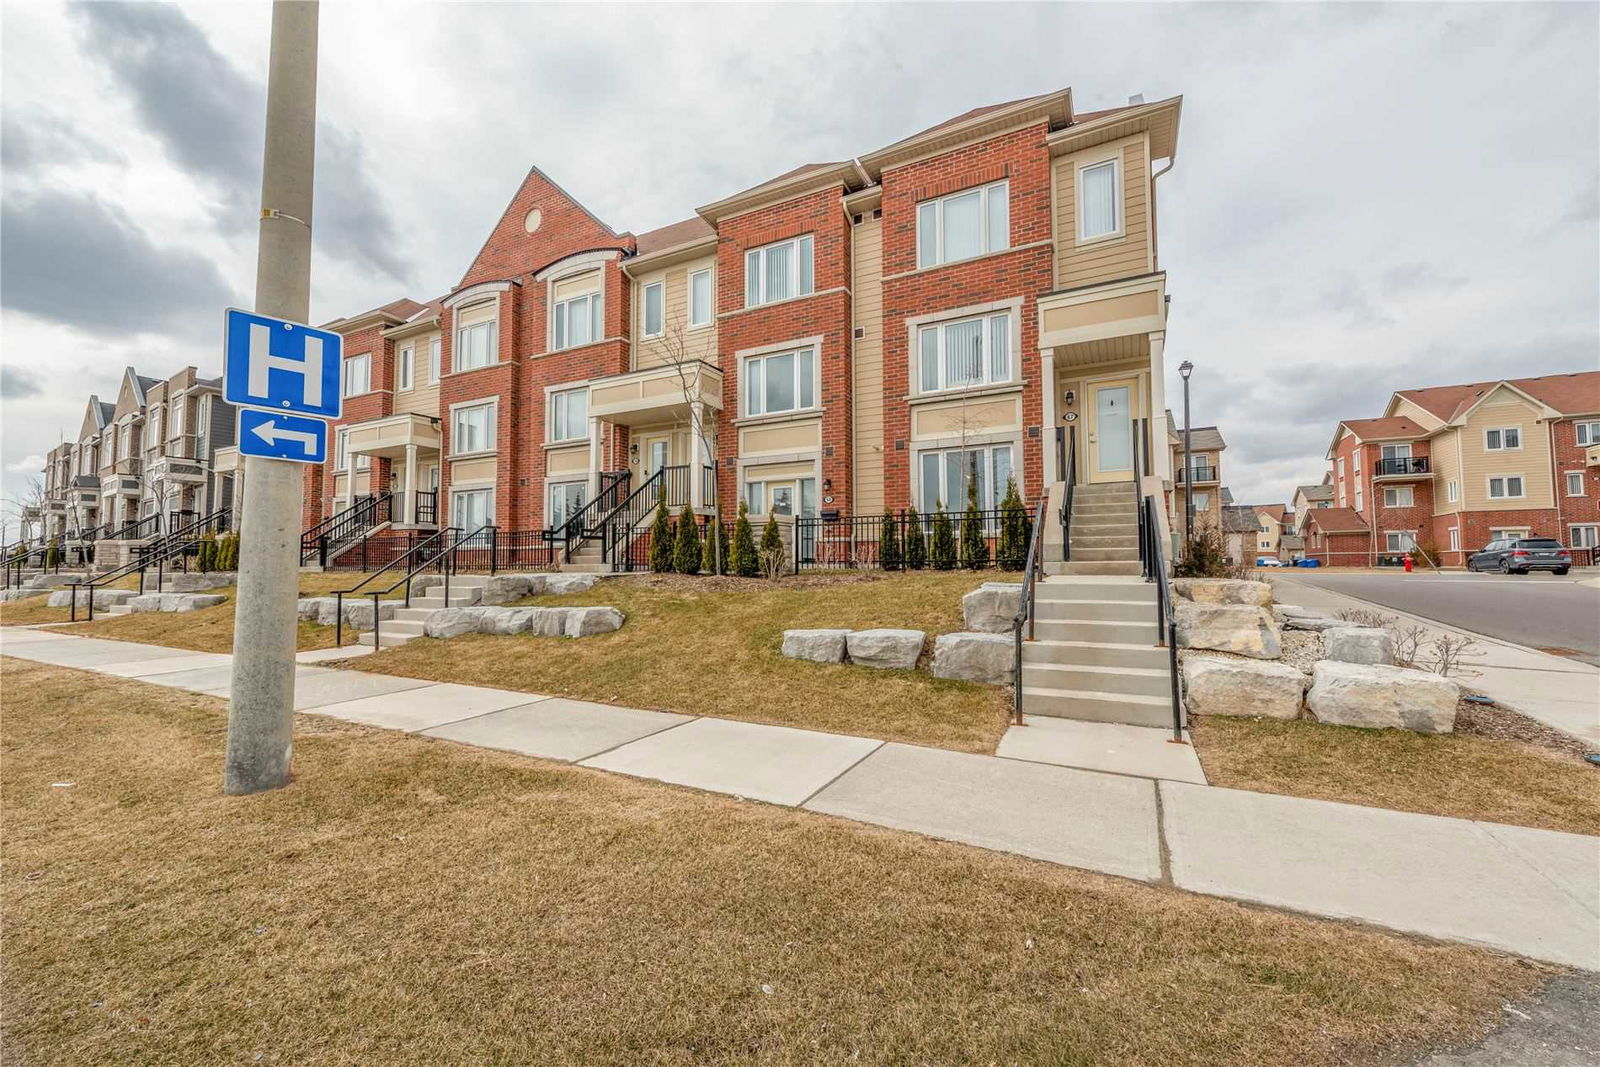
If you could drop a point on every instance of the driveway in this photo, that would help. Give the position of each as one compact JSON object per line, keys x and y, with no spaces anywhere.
{"x":1560,"y":615}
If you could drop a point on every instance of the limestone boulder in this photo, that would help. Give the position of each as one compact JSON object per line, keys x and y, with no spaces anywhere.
{"x":496,"y":620}
{"x":818,"y":646}
{"x":1359,"y":644}
{"x":563,"y":584}
{"x":1317,"y":623}
{"x":9,"y":595}
{"x":1216,"y":686}
{"x":1379,"y":697}
{"x":53,"y":581}
{"x":504,"y":588}
{"x":975,"y":657}
{"x":453,"y":622}
{"x":358,"y":613}
{"x":1223,"y":591}
{"x":103,"y":598}
{"x":886,"y":649}
{"x":990,"y":608}
{"x":548,"y":622}
{"x":195,"y":583}
{"x":586,"y":622}
{"x":1239,"y":628}
{"x":177,"y":602}
{"x":318,"y":609}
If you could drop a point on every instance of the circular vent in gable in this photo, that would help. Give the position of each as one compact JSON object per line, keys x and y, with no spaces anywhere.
{"x":531,"y":223}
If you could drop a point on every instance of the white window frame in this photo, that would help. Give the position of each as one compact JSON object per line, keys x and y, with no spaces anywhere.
{"x":1384,"y":451}
{"x":1406,"y":540}
{"x":659,"y":289}
{"x":1502,"y":446}
{"x":1113,"y":160}
{"x":1505,"y":479}
{"x":1509,"y":533}
{"x":932,"y":254}
{"x":491,"y":430}
{"x":1396,"y":490}
{"x":986,"y":335}
{"x":491,"y":329}
{"x":994,"y":492}
{"x":1589,"y":540}
{"x":457,"y":494}
{"x":1589,"y":428}
{"x":803,"y":252}
{"x":561,"y":319}
{"x":435,"y":356}
{"x":364,"y":363}
{"x":709,"y":278}
{"x":550,"y":495}
{"x":405,"y":371}
{"x":554,"y":418}
{"x":1358,"y":497}
{"x":1452,"y":490}
{"x":341,"y":449}
{"x":1568,"y":476}
{"x":1202,"y":501}
{"x":753,"y":376}
{"x":1455,"y":538}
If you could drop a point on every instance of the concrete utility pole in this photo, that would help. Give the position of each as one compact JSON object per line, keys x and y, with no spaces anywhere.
{"x":261,"y":716}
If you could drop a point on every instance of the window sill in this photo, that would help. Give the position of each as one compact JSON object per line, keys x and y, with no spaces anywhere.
{"x":571,"y":442}
{"x":964,"y":262}
{"x":475,"y":370}
{"x":751,"y":309}
{"x":975,"y":393}
{"x":783,"y":416}
{"x":479,"y":454}
{"x":1103,"y":239}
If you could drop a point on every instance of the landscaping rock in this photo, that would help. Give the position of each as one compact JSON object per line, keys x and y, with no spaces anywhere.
{"x":818,"y":646}
{"x":1359,"y":644}
{"x":504,"y":588}
{"x":586,"y":622}
{"x":453,"y":622}
{"x":548,"y":622}
{"x":1248,"y":631}
{"x":1319,"y":623}
{"x":886,"y":649}
{"x":562,"y":584}
{"x":1223,"y":591}
{"x":195,"y":583}
{"x":151,"y":602}
{"x":317,"y":609}
{"x":103,"y":598}
{"x":1216,"y":686}
{"x":991,"y":607}
{"x":358,"y":613}
{"x":1378,"y":697}
{"x":504,"y":620}
{"x":975,"y":657}
{"x":9,"y":595}
{"x":52,"y":581}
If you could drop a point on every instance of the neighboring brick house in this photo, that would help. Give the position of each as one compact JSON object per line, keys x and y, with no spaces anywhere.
{"x":1337,"y":537}
{"x":1452,"y":467}
{"x":847,"y":337}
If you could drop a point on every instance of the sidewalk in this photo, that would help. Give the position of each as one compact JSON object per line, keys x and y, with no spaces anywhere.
{"x":1531,"y":892}
{"x":1559,"y":692}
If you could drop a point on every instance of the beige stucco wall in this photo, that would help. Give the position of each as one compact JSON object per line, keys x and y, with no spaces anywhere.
{"x":678,"y":340}
{"x":1505,"y":408}
{"x":1103,"y":260}
{"x":867,"y":364}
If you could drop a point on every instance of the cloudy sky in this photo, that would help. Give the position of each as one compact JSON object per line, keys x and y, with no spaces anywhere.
{"x":1366,"y":197}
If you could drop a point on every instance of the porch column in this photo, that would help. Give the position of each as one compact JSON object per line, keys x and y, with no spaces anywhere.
{"x":596,"y":455}
{"x":1047,"y":385}
{"x":1158,"y":408}
{"x":697,"y":458}
{"x":409,"y":501}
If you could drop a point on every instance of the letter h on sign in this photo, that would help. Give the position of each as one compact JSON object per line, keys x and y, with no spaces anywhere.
{"x":285,"y":366}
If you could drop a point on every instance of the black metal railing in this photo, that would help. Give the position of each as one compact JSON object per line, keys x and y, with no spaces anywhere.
{"x":1200,"y":474}
{"x":585,"y":522}
{"x":508,"y":549}
{"x":675,"y":486}
{"x":1033,"y":566}
{"x":849,"y":542}
{"x":137,"y":529}
{"x":328,"y":537}
{"x":622,"y":524}
{"x":425,"y":509}
{"x":173,"y":546}
{"x":428,"y":552}
{"x":1070,"y":481}
{"x":1401,"y":465}
{"x":708,"y":484}
{"x":1153,"y":564}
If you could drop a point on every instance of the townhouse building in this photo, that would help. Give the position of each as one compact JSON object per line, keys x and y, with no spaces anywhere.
{"x":981,"y":301}
{"x":142,"y":463}
{"x":1452,"y":467}
{"x":1206,"y":445}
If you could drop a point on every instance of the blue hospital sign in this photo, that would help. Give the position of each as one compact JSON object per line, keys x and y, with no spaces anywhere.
{"x":285,"y":366}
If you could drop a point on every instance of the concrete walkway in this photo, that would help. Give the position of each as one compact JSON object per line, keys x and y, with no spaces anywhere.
{"x":1531,"y":892}
{"x":1560,"y":692}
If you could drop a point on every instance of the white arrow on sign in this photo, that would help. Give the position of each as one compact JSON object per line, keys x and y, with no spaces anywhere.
{"x":272,"y":433}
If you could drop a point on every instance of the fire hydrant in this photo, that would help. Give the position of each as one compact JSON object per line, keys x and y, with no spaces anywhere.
{"x":1408,"y":564}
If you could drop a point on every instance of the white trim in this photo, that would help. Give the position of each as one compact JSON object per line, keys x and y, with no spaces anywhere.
{"x":938,"y":203}
{"x":761,"y":261}
{"x":577,"y":263}
{"x":1566,"y":477}
{"x":1594,"y":436}
{"x":814,"y":346}
{"x":1506,"y":478}
{"x":473,"y":293}
{"x":550,"y":395}
{"x":1572,"y":541}
{"x":1454,"y":534}
{"x":1501,"y":430}
{"x":491,"y":402}
{"x":710,"y":274}
{"x":406,"y":362}
{"x":644,"y":308}
{"x":1099,"y":157}
{"x":1410,"y":493}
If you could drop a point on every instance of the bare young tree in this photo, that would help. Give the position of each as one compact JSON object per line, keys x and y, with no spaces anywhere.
{"x":24,"y":508}
{"x":682,"y":355}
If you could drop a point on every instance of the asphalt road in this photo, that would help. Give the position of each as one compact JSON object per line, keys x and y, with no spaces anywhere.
{"x":1537,"y":610}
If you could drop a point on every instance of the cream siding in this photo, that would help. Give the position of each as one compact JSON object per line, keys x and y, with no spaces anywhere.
{"x":1419,"y":415}
{"x":867,"y":365}
{"x":1103,"y":260}
{"x":1442,"y":453}
{"x":678,"y":341}
{"x":422,"y":398}
{"x":1532,"y":460}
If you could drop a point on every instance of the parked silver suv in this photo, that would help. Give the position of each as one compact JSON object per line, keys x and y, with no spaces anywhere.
{"x":1519,"y":555}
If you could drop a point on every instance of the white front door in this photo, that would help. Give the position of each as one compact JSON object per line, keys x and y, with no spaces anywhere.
{"x":1111,"y":436}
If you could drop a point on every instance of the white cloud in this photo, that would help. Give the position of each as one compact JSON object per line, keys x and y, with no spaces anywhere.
{"x":27,"y":465}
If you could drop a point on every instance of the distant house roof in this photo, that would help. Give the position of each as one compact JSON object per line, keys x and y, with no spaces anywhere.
{"x":1337,"y":520}
{"x":671,"y":236}
{"x":1207,"y":438}
{"x":1227,"y":495}
{"x":401,"y":309}
{"x":1239,"y":520}
{"x":1570,"y":394}
{"x":1376,"y":429}
{"x":1314,"y":493}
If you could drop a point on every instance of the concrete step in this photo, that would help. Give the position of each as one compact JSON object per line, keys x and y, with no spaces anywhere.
{"x":413,"y":614}
{"x":1088,"y":567}
{"x":585,"y":568}
{"x":1119,"y":632}
{"x":1083,"y":539}
{"x":1096,"y":654}
{"x":457,"y":600}
{"x":412,"y":627}
{"x":1103,"y":506}
{"x":388,"y":639}
{"x":1106,"y":524}
{"x":1095,"y":610}
{"x":1123,"y":554}
{"x":1097,"y":707}
{"x":1091,"y":587}
{"x":1083,"y":678}
{"x":1082,"y":489}
{"x":115,"y":609}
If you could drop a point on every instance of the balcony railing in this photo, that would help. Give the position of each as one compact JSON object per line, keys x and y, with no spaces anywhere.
{"x":425,"y":512}
{"x":1401,"y":465}
{"x":1201,"y":474}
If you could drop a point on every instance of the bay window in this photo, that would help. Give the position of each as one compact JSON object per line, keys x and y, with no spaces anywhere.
{"x":963,"y":225}
{"x":473,"y":428}
{"x":779,"y":271}
{"x":965,"y":353}
{"x":700,"y":298}
{"x":780,"y":381}
{"x":569,"y":415}
{"x":1099,"y":205}
{"x":944,"y":475}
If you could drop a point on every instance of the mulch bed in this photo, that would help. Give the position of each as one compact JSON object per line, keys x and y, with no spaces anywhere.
{"x":1492,"y":720}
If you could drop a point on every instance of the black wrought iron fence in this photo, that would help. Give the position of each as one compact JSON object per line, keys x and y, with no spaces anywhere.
{"x":846,"y":542}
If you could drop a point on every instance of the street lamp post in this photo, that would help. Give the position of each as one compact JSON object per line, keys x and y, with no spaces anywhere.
{"x":1184,"y":370}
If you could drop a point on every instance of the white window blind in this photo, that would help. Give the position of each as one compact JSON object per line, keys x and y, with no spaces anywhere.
{"x":474,"y":429}
{"x":569,"y":415}
{"x":476,"y":345}
{"x":779,"y":271}
{"x":579,"y":321}
{"x":1097,"y":213}
{"x":783,"y":381}
{"x":653,"y":308}
{"x":700,"y":298}
{"x":963,"y":225}
{"x":965,"y":353}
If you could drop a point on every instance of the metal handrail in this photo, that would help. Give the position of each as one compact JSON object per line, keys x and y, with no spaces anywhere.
{"x":1155,"y":567}
{"x":576,"y":530}
{"x":609,"y":539}
{"x":154,"y":554}
{"x":133,"y":529}
{"x":339,"y":594}
{"x":344,"y":527}
{"x":1071,"y":481}
{"x":1025,"y":604}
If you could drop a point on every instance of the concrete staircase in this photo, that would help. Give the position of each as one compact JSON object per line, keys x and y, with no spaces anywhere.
{"x":1104,"y":531}
{"x":586,"y":560}
{"x":407,"y":624}
{"x":1095,"y":656}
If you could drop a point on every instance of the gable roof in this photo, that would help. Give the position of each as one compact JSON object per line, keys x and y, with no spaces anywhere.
{"x":1202,"y":439}
{"x":1239,"y":520}
{"x":566,"y":227}
{"x":1569,"y":394}
{"x":1337,"y":520}
{"x":678,"y":233}
{"x":1315,"y":492}
{"x":400,"y":310}
{"x":1392,"y":426}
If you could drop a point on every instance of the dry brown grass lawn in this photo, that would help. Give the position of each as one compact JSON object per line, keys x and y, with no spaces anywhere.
{"x":209,"y":629}
{"x":409,"y":901}
{"x":709,"y":646}
{"x":1462,"y":775}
